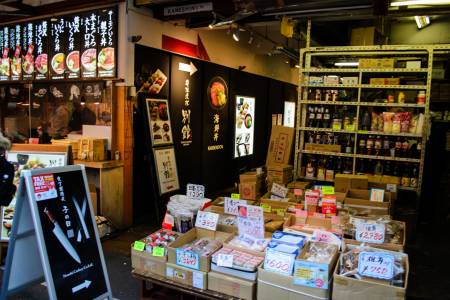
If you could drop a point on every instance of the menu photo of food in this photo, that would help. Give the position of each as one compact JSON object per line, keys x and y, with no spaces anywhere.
{"x":217,"y":93}
{"x":244,"y":127}
{"x":159,"y":121}
{"x":28,"y":61}
{"x":26,"y":161}
{"x":106,"y":62}
{"x":58,"y":63}
{"x":41,"y":64}
{"x":73,"y":62}
{"x":16,"y":64}
{"x":5,"y":65}
{"x":89,"y":62}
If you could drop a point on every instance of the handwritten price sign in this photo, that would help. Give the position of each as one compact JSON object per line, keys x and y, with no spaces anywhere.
{"x":370,"y":233}
{"x":231,"y":205}
{"x":195,"y":191}
{"x":225,"y":260}
{"x":279,"y":190}
{"x":207,"y":220}
{"x":188,"y":259}
{"x":376,"y":265}
{"x":251,"y":226}
{"x":279,"y":262}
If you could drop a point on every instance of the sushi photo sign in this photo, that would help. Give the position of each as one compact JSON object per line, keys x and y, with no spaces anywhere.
{"x":244,"y":126}
{"x":62,"y":47}
{"x":55,"y":219}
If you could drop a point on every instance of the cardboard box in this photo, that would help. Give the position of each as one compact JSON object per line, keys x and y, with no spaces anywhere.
{"x":323,"y":147}
{"x":92,"y":149}
{"x":231,"y":286}
{"x":376,"y":63}
{"x":249,"y":190}
{"x":350,"y":80}
{"x":280,"y":173}
{"x":144,"y":263}
{"x":276,"y":207}
{"x":276,"y":286}
{"x":197,"y":279}
{"x":314,"y":274}
{"x":346,"y":288}
{"x":360,"y":201}
{"x":204,"y":264}
{"x":302,"y":185}
{"x":251,"y":177}
{"x":280,"y":145}
{"x":366,"y":36}
{"x":413,"y":64}
{"x":377,"y":81}
{"x":306,"y":225}
{"x":344,"y":182}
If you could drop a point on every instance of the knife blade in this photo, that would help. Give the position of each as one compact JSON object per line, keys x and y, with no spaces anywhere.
{"x":57,"y":231}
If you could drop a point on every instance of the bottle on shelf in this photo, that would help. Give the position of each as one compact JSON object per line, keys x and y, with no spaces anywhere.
{"x":326,"y":118}
{"x":378,"y":145}
{"x":362,"y":145}
{"x":369,"y":145}
{"x":398,"y":147}
{"x":406,"y":177}
{"x":414,"y":176}
{"x":318,"y":138}
{"x":386,"y":146}
{"x":348,"y":166}
{"x":378,"y":170}
{"x":396,"y":170}
{"x":310,"y":167}
{"x":416,"y":149}
{"x":311,"y":116}
{"x":319,"y":114}
{"x":387,"y":170}
{"x":349,"y":144}
{"x":321,"y":169}
{"x":329,"y":173}
{"x":338,"y":166}
{"x":405,"y":148}
{"x":366,"y":121}
{"x":362,"y":167}
{"x":310,"y":137}
{"x":318,"y":95}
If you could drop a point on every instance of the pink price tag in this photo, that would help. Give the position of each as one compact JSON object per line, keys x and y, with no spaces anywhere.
{"x":298,"y":192}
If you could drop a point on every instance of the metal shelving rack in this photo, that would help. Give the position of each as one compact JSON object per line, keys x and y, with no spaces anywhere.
{"x":350,"y":52}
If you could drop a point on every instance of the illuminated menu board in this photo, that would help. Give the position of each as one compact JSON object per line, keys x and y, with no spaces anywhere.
{"x":65,"y":47}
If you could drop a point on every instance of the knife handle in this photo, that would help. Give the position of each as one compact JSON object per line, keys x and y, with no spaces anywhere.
{"x":49,"y":215}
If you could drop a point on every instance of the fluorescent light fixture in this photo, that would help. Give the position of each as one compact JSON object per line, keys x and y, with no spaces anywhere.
{"x":420,"y":2}
{"x":422,"y":21}
{"x":236,"y":35}
{"x":347,"y":64}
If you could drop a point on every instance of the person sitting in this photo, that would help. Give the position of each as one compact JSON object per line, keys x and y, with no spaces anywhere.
{"x":7,"y":187}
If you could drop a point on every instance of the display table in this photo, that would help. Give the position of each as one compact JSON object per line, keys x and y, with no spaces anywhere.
{"x":158,"y":281}
{"x":107,"y":176}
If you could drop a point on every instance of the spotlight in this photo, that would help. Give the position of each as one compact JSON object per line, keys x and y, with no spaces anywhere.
{"x":236,"y":35}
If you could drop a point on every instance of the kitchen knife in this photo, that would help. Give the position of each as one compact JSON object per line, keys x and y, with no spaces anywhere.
{"x":57,"y":231}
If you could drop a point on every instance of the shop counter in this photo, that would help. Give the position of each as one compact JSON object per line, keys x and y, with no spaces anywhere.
{"x":107,"y":176}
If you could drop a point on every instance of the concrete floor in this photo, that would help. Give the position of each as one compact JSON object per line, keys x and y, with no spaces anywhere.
{"x":429,"y":276}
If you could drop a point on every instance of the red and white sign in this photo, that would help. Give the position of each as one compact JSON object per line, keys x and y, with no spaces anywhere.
{"x":44,"y":187}
{"x":370,"y":232}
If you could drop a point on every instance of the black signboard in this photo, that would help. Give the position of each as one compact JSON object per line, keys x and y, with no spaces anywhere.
{"x":73,"y":39}
{"x":89,"y":30}
{"x":41,"y":63}
{"x":57,"y":56}
{"x":216,"y":136}
{"x":15,"y":40}
{"x":5,"y":68}
{"x":66,"y":233}
{"x":28,"y":51}
{"x":186,"y":106}
{"x":107,"y":30}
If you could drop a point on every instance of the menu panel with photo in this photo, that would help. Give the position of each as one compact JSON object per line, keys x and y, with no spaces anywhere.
{"x":89,"y":31}
{"x":5,"y":67}
{"x":107,"y":43}
{"x":159,"y":121}
{"x":28,"y":51}
{"x":42,"y":32}
{"x":73,"y":40}
{"x":15,"y":40}
{"x":57,"y":49}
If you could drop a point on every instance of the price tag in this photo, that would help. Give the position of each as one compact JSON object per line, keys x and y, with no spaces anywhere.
{"x":311,"y":274}
{"x":187,"y":259}
{"x":236,"y":196}
{"x":279,"y":262}
{"x":327,"y":190}
{"x":390,"y":187}
{"x":279,"y":211}
{"x":337,"y":126}
{"x":370,"y":232}
{"x":207,"y":220}
{"x":376,"y":265}
{"x":139,"y":246}
{"x":279,"y":190}
{"x":298,"y":192}
{"x":266,"y":207}
{"x":251,"y":211}
{"x":225,"y":260}
{"x":158,"y":251}
{"x":326,"y":237}
{"x":231,"y":205}
{"x":311,"y":197}
{"x":195,"y":191}
{"x":168,"y":222}
{"x":377,"y":195}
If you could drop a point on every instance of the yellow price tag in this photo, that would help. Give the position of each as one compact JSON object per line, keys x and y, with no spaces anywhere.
{"x":328,"y":190}
{"x":336,"y":126}
{"x":139,"y":246}
{"x":235,"y":196}
{"x":280,"y":211}
{"x":158,"y":251}
{"x":266,"y":208}
{"x":303,"y":274}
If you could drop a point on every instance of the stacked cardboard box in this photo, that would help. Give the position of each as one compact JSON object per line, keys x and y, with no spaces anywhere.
{"x":279,"y":173}
{"x":251,"y":185}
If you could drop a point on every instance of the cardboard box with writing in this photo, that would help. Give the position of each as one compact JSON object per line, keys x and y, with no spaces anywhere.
{"x":232,"y":286}
{"x":322,"y":147}
{"x":307,"y":225}
{"x":360,"y":201}
{"x":344,"y":182}
{"x":250,"y":190}
{"x":276,"y":286}
{"x":280,"y":145}
{"x":251,"y":177}
{"x":196,"y":279}
{"x":144,"y":263}
{"x":346,"y":288}
{"x":280,"y":173}
{"x":223,"y":234}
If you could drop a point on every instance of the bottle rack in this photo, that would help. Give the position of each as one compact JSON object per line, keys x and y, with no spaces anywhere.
{"x":414,"y":52}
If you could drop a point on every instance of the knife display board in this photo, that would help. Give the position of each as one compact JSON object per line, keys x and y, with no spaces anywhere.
{"x":54,"y":217}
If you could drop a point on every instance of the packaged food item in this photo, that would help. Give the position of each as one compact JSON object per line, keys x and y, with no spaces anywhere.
{"x":203,"y":246}
{"x":288,"y":239}
{"x":161,"y":238}
{"x":241,"y":260}
{"x":420,"y":124}
{"x":413,"y":123}
{"x":401,"y":97}
{"x":388,"y":121}
{"x":405,"y":121}
{"x":421,"y":97}
{"x":394,"y":230}
{"x":319,"y":252}
{"x":396,"y":123}
{"x":374,"y":125}
{"x":248,"y":242}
